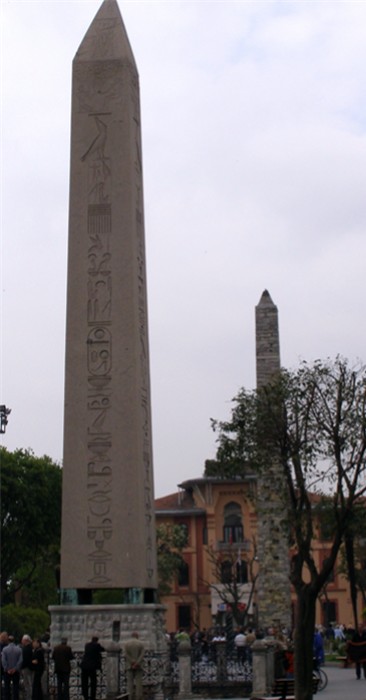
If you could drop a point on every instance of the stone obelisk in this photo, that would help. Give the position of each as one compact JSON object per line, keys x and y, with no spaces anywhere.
{"x":108,"y":527}
{"x":274,"y":594}
{"x":267,"y":340}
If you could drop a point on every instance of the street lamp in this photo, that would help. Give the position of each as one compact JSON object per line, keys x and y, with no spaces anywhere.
{"x":4,"y":412}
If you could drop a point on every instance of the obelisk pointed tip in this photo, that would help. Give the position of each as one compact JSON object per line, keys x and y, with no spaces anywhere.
{"x":266,"y":299}
{"x":108,"y":8}
{"x":106,"y":37}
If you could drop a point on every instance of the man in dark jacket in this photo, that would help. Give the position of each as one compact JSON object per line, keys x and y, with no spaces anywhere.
{"x":91,"y":663}
{"x":359,"y":650}
{"x":11,"y":659}
{"x":27,"y":668}
{"x":62,"y":656}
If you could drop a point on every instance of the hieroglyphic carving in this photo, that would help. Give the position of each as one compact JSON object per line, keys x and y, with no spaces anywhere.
{"x":99,"y":42}
{"x":99,"y":466}
{"x":142,"y":321}
{"x":99,"y":298}
{"x":97,"y":83}
{"x":104,"y":36}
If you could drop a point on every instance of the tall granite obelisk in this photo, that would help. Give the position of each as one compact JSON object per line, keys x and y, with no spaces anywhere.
{"x":108,"y":528}
{"x":274,"y":594}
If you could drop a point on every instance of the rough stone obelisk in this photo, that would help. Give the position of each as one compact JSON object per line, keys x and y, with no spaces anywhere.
{"x":108,"y":527}
{"x":274,"y":594}
{"x":267,"y":340}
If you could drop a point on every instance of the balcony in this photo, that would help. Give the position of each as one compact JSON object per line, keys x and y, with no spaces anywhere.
{"x":243,"y":544}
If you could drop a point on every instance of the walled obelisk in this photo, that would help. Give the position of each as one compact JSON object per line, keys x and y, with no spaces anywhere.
{"x":267,"y":340}
{"x":108,"y":528}
{"x":274,"y":593}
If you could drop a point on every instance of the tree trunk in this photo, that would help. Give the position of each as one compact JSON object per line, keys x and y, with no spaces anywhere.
{"x":350,"y":554}
{"x":303,"y":642}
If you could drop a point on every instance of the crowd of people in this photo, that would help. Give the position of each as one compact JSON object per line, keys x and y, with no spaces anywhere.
{"x":239,"y":642}
{"x":26,"y":662}
{"x":204,"y":642}
{"x":351,"y":640}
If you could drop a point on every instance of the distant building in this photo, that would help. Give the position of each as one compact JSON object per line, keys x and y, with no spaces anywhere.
{"x":221,"y":522}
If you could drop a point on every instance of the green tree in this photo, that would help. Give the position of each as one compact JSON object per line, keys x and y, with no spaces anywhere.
{"x":170,"y":541}
{"x":30,"y":527}
{"x":18,"y":620}
{"x":313,"y":421}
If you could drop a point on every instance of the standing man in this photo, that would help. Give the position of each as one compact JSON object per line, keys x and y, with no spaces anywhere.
{"x":4,"y":641}
{"x":38,"y":669}
{"x":359,"y":639}
{"x":91,"y":663}
{"x":134,"y":650}
{"x":27,"y":668}
{"x":11,"y":659}
{"x":318,"y":648}
{"x":62,"y":656}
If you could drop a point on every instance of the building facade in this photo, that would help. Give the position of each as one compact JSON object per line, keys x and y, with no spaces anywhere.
{"x":220,"y":556}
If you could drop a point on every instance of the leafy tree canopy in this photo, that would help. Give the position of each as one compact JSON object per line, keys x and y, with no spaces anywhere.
{"x":170,"y":541}
{"x":18,"y":620}
{"x":312,"y":419}
{"x":30,"y":524}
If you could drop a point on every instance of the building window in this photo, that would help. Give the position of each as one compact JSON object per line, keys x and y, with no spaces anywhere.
{"x":241,"y":572}
{"x":329,"y":612}
{"x":331,"y":577}
{"x":184,"y":617}
{"x":183,"y":574}
{"x":233,"y":527}
{"x":226,"y":571}
{"x":326,"y":529}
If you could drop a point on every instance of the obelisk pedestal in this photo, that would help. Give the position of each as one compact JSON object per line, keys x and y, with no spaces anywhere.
{"x":108,"y":524}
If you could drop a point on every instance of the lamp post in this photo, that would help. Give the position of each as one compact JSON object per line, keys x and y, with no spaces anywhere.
{"x":4,"y":412}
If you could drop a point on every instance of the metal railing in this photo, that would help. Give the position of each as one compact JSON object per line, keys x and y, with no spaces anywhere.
{"x":155,"y":669}
{"x":75,"y":677}
{"x":217,"y":672}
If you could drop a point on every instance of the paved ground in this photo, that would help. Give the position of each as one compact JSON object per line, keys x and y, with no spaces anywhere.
{"x":342,"y":685}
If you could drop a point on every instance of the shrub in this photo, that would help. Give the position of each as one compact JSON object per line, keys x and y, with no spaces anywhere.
{"x":17,"y":620}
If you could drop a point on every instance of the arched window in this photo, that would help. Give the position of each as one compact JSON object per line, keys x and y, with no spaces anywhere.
{"x":233,"y":527}
{"x":226,"y":571}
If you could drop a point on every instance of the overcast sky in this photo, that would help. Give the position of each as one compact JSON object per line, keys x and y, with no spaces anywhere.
{"x":254,"y":148}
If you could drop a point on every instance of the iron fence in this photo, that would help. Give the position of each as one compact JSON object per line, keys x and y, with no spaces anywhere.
{"x":154,"y":672}
{"x":75,"y":678}
{"x":222,"y":674}
{"x":219,"y":672}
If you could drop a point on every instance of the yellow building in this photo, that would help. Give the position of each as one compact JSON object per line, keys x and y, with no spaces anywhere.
{"x":221,"y":523}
